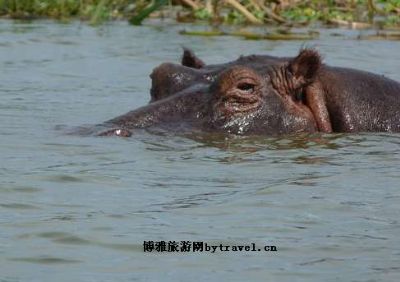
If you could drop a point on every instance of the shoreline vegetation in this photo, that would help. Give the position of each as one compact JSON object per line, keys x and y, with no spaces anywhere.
{"x":353,"y":13}
{"x":281,"y":14}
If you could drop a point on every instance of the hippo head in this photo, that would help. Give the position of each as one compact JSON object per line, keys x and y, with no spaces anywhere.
{"x":259,"y":95}
{"x":252,"y":95}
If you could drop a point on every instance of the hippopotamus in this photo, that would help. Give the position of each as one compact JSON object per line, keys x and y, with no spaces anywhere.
{"x":264,"y":95}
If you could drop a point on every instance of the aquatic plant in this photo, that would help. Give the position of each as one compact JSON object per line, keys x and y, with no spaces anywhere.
{"x":289,"y":12}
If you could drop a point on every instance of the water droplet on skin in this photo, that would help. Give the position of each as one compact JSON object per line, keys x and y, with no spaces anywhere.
{"x":209,"y":78}
{"x":239,"y":125}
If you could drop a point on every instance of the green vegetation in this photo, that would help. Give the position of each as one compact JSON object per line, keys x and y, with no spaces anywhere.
{"x":280,"y":12}
{"x":94,"y":11}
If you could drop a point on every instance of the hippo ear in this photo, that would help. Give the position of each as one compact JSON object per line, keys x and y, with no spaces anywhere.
{"x":189,"y":59}
{"x":305,"y":66}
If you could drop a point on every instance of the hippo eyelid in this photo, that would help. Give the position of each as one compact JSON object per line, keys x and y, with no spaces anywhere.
{"x":245,"y":86}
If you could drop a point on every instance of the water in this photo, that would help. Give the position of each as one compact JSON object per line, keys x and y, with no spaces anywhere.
{"x":79,"y":208}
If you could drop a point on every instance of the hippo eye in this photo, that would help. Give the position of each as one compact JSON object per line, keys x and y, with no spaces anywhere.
{"x":244,"y":86}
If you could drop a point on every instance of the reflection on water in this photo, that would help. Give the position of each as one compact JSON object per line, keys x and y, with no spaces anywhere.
{"x":79,"y":208}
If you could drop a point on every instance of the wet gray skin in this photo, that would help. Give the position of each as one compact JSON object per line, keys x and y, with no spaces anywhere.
{"x":265,"y":95}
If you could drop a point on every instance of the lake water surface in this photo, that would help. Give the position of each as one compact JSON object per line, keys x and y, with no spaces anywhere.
{"x":79,"y":208}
